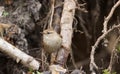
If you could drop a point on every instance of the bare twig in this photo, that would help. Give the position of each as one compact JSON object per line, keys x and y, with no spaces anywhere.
{"x":109,"y":16}
{"x":105,"y":32}
{"x":81,"y":7}
{"x":44,"y":21}
{"x":52,"y":13}
{"x":92,"y":63}
{"x":84,"y":28}
{"x":60,"y":4}
{"x":18,"y":55}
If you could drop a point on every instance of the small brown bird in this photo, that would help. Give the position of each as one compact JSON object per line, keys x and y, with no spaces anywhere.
{"x":51,"y":40}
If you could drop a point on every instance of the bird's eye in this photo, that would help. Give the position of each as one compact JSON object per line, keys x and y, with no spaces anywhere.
{"x":48,"y":32}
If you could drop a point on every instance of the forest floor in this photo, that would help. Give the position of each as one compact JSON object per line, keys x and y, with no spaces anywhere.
{"x":28,"y":18}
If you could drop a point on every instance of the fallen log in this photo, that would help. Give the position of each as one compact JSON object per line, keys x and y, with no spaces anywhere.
{"x":18,"y":55}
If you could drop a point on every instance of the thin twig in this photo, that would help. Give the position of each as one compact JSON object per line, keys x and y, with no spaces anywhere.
{"x":105,"y":32}
{"x":84,"y":28}
{"x":52,"y":13}
{"x":92,"y":63}
{"x":109,"y":16}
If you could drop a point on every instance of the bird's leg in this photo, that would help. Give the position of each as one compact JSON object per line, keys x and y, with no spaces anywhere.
{"x":53,"y":58}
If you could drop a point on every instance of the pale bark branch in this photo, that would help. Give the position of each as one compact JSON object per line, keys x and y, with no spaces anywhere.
{"x":66,"y":29}
{"x":18,"y":55}
{"x":92,"y":62}
{"x":105,"y":32}
{"x":52,"y":13}
{"x":109,"y":16}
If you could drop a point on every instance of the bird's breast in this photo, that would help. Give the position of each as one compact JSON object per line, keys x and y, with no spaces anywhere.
{"x":52,"y":44}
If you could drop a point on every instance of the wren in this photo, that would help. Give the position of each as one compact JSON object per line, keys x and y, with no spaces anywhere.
{"x":51,"y":40}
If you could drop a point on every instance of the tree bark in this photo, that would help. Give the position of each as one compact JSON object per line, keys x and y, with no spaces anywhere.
{"x":66,"y":30}
{"x":18,"y":55}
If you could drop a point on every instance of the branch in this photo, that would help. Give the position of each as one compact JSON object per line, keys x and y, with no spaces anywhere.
{"x":52,"y":13}
{"x":92,"y":63}
{"x":109,"y":16}
{"x":18,"y":55}
{"x":105,"y":32}
{"x":66,"y":30}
